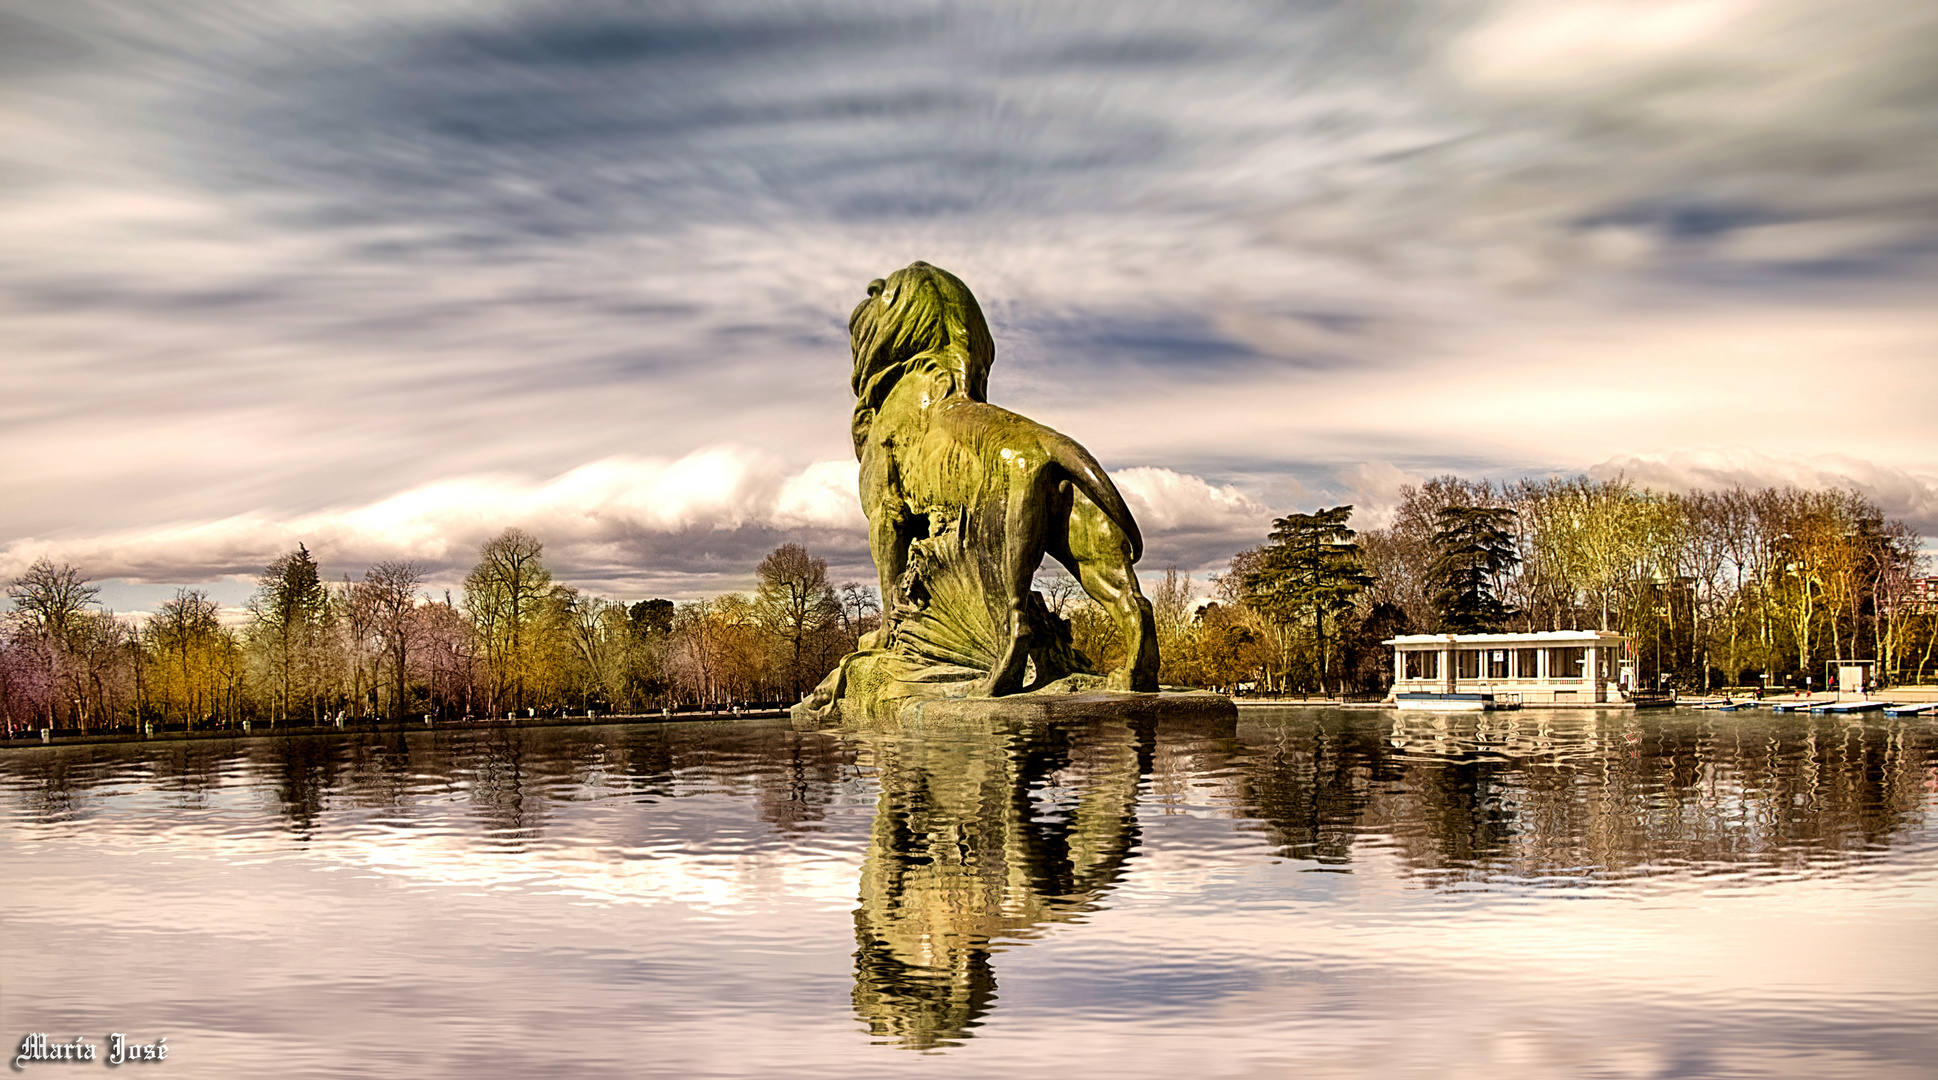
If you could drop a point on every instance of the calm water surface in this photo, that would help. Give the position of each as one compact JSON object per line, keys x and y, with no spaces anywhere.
{"x":1317,"y":893}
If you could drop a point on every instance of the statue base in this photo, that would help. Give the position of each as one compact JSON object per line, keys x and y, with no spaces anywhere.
{"x":1050,"y":706}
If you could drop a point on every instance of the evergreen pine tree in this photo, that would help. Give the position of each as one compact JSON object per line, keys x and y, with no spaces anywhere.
{"x":1310,"y":569}
{"x":1473,"y":548}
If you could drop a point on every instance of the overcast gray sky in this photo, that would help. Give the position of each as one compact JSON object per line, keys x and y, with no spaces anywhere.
{"x":386,"y":277}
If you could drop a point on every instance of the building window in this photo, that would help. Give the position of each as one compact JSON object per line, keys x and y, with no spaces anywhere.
{"x":1527,"y":663}
{"x":1422,"y":665}
{"x":1496,"y":663}
{"x":1567,"y":663}
{"x":1467,"y":664}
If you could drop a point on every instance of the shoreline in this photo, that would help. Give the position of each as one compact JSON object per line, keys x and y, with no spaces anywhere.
{"x":378,"y":727}
{"x":388,"y":727}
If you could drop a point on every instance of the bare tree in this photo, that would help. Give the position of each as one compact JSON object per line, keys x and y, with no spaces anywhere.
{"x":390,"y":591}
{"x":602,"y":645}
{"x":51,"y":598}
{"x":692,"y":650}
{"x":27,"y":679}
{"x":445,"y":654}
{"x":358,"y":647}
{"x":1894,"y":564}
{"x":1059,"y":590}
{"x":506,"y":595}
{"x":189,"y":637}
{"x":99,"y":665}
{"x":795,"y":603}
{"x":1176,"y":630}
{"x":52,"y":624}
{"x":861,"y":612}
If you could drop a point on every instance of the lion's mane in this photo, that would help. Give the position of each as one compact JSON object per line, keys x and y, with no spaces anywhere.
{"x":919,"y":319}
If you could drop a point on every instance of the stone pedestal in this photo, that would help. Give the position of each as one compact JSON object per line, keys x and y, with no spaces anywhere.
{"x":1042,"y":707}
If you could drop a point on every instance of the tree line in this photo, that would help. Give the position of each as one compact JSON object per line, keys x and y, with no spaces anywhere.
{"x":515,"y":641}
{"x":1738,"y":587}
{"x":1713,"y":588}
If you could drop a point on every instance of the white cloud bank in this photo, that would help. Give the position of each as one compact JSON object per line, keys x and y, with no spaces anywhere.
{"x":690,"y":525}
{"x":1171,"y":503}
{"x":586,"y":516}
{"x":696,"y":525}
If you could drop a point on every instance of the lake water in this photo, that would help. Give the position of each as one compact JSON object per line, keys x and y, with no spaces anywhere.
{"x":1317,"y":893}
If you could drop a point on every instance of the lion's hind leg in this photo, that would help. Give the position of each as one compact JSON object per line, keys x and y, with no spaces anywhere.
{"x":1028,"y":513}
{"x":1099,"y":553}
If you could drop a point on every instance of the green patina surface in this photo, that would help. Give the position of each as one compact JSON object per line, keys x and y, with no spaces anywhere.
{"x":964,"y":499}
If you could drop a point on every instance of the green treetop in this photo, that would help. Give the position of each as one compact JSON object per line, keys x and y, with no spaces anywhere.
{"x":1474,"y":546}
{"x":1310,"y":569}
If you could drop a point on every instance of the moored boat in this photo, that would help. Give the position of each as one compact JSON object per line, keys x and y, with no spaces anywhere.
{"x":1840,"y":708}
{"x":1423,"y":701}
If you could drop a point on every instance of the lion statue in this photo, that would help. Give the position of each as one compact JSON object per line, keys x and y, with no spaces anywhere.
{"x":964,"y":499}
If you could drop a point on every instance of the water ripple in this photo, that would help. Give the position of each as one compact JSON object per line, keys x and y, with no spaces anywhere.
{"x":1320,"y":893}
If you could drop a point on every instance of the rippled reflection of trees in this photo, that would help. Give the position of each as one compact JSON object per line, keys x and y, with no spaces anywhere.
{"x":511,"y":780}
{"x":1309,"y":784}
{"x":305,"y":771}
{"x":808,"y":775}
{"x":192,"y":772}
{"x":52,"y":787}
{"x":1539,"y":794}
{"x":69,"y":783}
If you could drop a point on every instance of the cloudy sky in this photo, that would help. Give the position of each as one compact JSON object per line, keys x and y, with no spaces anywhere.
{"x":385,"y":277}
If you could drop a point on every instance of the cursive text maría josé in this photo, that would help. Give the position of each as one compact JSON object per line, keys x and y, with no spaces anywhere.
{"x":35,"y":1047}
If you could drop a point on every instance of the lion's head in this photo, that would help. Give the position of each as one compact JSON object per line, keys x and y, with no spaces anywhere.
{"x":920,"y":318}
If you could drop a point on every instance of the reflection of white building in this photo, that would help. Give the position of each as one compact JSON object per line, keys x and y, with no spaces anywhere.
{"x":1553,"y":667}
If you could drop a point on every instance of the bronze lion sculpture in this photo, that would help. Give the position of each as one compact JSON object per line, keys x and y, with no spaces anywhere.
{"x":965,"y":498}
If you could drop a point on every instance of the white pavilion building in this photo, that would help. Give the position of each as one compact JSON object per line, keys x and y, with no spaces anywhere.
{"x":1552,"y":667}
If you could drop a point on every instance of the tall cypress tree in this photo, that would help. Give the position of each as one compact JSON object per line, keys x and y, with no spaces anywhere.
{"x":288,"y":611}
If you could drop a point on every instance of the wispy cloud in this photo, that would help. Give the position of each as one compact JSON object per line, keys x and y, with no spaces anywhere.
{"x":266,"y":262}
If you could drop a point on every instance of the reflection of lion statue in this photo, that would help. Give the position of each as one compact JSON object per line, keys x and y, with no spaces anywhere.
{"x":965,"y":498}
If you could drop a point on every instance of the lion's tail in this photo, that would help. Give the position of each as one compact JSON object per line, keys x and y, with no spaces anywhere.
{"x":1094,"y":482}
